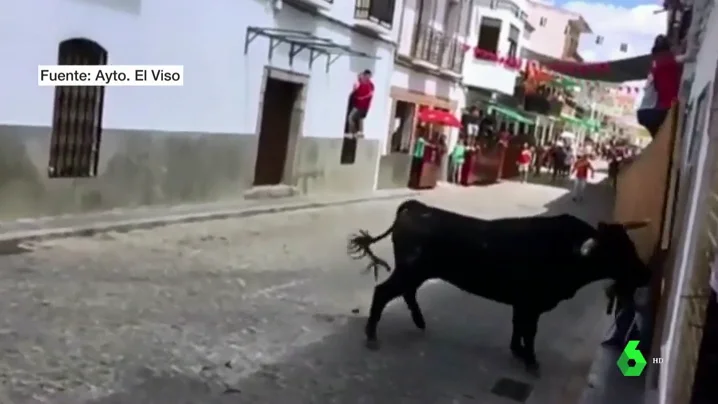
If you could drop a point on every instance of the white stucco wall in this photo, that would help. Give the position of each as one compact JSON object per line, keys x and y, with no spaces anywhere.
{"x":551,"y":38}
{"x":222,"y":85}
{"x":416,"y":81}
{"x":486,"y":74}
{"x":705,"y":70}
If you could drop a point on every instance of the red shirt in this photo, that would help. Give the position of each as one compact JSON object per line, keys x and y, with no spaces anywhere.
{"x":363,"y":95}
{"x":666,"y":72}
{"x":582,"y":167}
{"x":525,"y":157}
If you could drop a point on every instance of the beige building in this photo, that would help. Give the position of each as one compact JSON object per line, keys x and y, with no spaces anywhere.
{"x":556,"y":31}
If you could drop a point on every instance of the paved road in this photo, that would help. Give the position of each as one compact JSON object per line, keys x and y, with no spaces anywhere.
{"x":266,"y":309}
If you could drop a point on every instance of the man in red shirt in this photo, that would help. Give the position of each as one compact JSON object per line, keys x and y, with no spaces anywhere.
{"x":524,"y":162}
{"x":582,"y":168}
{"x":661,"y":87}
{"x":361,"y":101}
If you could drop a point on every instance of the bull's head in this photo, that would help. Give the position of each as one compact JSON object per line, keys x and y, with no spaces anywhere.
{"x":615,"y":253}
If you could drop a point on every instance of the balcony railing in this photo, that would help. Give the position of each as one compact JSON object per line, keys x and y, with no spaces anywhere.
{"x":380,"y":12}
{"x":435,"y":47}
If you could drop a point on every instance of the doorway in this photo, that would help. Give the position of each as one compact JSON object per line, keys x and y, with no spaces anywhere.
{"x":403,"y":127}
{"x":278,"y":106}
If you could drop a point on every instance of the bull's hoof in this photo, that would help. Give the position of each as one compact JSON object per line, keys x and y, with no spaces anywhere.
{"x":533,"y":369}
{"x":372,"y":344}
{"x":420,"y":323}
{"x":518,"y":352}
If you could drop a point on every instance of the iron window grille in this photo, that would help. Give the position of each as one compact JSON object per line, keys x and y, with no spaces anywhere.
{"x":77,"y":115}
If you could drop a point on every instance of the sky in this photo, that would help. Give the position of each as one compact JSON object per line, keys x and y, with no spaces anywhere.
{"x":632,"y":22}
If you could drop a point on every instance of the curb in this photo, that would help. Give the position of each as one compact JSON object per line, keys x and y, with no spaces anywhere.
{"x":18,"y":237}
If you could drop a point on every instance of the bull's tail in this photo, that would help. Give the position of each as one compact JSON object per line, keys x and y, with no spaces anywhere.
{"x":359,"y":245}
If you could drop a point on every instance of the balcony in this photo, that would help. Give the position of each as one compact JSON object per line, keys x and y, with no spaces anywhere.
{"x":376,"y":16}
{"x":436,"y":51}
{"x":489,"y":75}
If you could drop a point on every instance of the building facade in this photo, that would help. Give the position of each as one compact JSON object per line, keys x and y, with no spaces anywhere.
{"x":557,"y":32}
{"x":431,"y":46}
{"x":688,"y":335}
{"x":498,"y":27}
{"x":262,"y":102}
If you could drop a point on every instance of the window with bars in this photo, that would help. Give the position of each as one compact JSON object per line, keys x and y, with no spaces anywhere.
{"x":599,"y":40}
{"x":77,"y":115}
{"x":543,"y":21}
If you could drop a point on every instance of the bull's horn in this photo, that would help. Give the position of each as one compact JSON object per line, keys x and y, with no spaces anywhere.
{"x":636,"y":224}
{"x":588,"y":246}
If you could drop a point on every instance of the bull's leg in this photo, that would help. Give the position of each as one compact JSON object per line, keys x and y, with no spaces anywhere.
{"x":523,"y":337}
{"x":413,"y":304}
{"x":530,"y":327}
{"x":517,"y":347}
{"x":385,"y":292}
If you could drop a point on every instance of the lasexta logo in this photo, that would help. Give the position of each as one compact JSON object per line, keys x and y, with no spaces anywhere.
{"x":631,"y":363}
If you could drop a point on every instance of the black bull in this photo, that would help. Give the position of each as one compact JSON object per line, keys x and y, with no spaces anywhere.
{"x":530,"y":263}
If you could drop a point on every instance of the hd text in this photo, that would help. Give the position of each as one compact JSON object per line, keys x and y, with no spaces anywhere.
{"x":111,"y":76}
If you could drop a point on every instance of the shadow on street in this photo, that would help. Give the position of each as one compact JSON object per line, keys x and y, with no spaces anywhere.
{"x":461,"y":356}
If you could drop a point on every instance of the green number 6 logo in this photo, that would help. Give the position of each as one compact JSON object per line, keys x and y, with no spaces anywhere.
{"x":631,"y":353}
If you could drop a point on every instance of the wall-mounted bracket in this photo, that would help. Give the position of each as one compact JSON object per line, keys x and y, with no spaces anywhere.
{"x":298,"y":41}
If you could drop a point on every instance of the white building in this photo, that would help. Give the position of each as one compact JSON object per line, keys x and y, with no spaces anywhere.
{"x":698,"y":186}
{"x":498,"y":27}
{"x":431,"y":44}
{"x":248,"y":114}
{"x":557,"y":31}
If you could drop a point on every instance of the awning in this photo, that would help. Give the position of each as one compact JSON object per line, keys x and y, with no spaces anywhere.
{"x":592,"y":124}
{"x":439,"y":117}
{"x":299,"y":41}
{"x":572,"y":120}
{"x":511,"y":114}
{"x":615,"y":71}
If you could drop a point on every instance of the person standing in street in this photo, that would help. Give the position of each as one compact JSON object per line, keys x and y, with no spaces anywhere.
{"x":361,"y":101}
{"x":613,"y":168}
{"x":524,"y":162}
{"x":581,"y":169}
{"x":417,"y":160}
{"x":458,"y":156}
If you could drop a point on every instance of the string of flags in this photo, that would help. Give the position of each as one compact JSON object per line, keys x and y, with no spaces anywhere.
{"x":557,"y":68}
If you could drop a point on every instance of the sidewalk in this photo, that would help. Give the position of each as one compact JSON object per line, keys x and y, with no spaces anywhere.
{"x":606,"y":384}
{"x":125,"y":219}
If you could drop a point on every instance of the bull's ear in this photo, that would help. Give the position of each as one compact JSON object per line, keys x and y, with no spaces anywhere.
{"x":636,"y":224}
{"x":588,"y":246}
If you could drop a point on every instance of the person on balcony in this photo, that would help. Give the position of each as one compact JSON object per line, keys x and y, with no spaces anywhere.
{"x":661,"y":88}
{"x":361,"y":101}
{"x":473,"y":121}
{"x":487,"y":125}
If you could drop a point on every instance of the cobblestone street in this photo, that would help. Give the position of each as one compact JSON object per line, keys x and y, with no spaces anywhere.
{"x":269,"y":309}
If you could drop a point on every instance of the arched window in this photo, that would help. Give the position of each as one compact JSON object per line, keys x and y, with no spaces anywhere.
{"x":77,"y":117}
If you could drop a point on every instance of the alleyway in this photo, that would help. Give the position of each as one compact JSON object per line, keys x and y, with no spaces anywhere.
{"x":269,"y":309}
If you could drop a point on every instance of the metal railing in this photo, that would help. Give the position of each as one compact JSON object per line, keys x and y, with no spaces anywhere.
{"x":435,"y":47}
{"x":380,"y":12}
